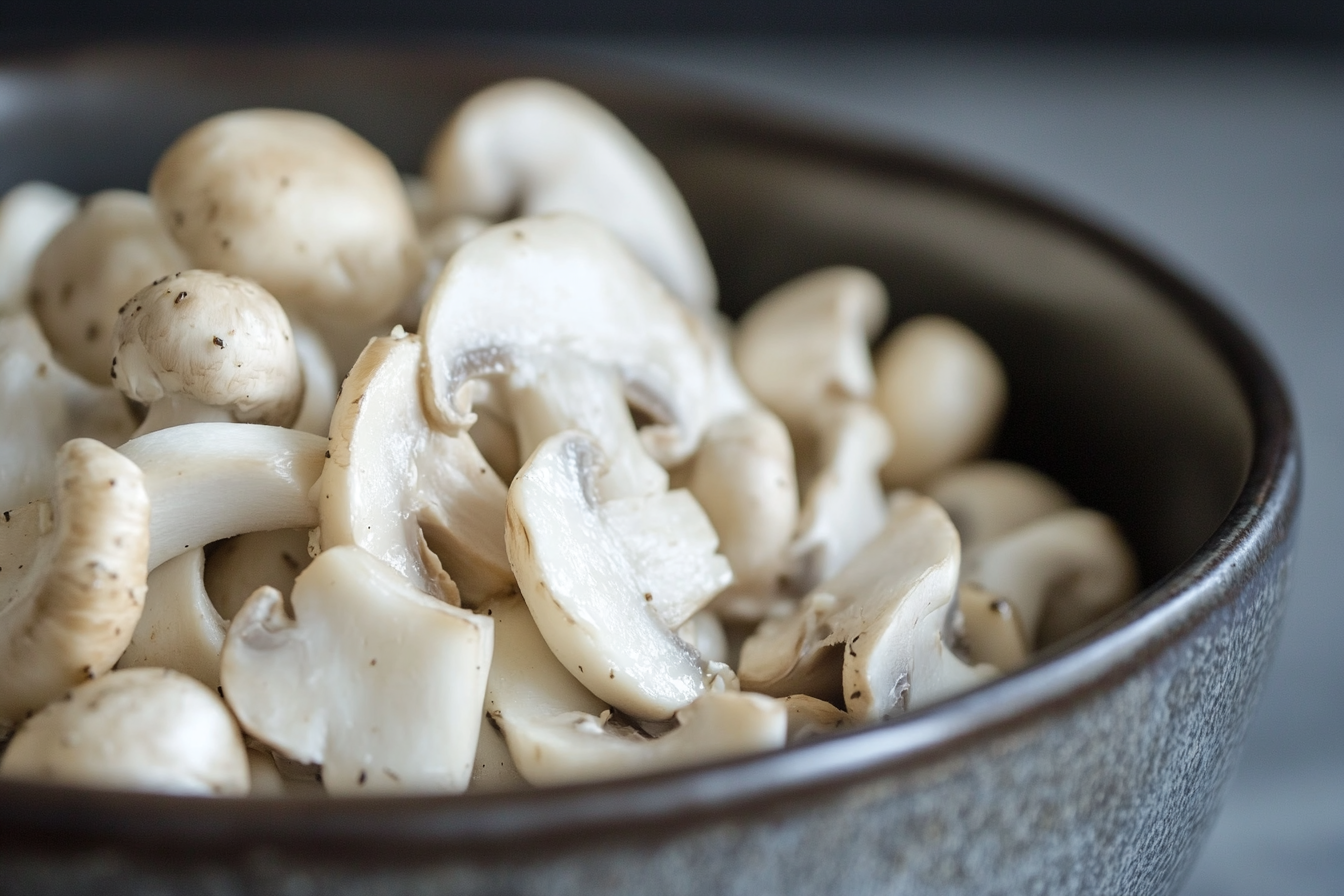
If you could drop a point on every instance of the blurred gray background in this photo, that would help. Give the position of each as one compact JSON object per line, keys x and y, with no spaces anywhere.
{"x":1226,"y":161}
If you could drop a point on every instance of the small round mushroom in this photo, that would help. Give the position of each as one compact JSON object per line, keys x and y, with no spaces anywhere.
{"x":297,"y":202}
{"x":102,"y":257}
{"x":138,"y":729}
{"x":989,"y":498}
{"x":201,"y":346}
{"x":488,"y":159}
{"x":30,"y":215}
{"x":180,"y":628}
{"x":943,"y":390}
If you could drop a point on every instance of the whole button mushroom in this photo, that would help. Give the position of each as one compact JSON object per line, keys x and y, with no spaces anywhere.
{"x":138,"y":729}
{"x":30,"y":214}
{"x":297,"y":202}
{"x":105,"y":255}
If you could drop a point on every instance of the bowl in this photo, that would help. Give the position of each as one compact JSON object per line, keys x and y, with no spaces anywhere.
{"x":1096,"y":769}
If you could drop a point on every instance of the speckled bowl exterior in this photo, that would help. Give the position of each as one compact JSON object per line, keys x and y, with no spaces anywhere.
{"x":1096,"y":770}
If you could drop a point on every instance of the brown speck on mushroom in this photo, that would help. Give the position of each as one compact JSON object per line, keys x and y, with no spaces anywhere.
{"x":373,"y":662}
{"x":88,"y":671}
{"x":648,"y":596}
{"x":362,"y":776}
{"x":288,"y":560}
{"x":225,"y":243}
{"x":93,"y":332}
{"x":42,"y":369}
{"x":219,"y":342}
{"x":327,"y":454}
{"x":856,"y":695}
{"x":35,"y":296}
{"x":179,"y":219}
{"x":180,"y":297}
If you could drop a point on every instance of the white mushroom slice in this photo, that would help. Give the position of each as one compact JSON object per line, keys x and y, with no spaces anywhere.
{"x":180,"y":628}
{"x":489,"y":159}
{"x":989,"y":630}
{"x":208,"y":481}
{"x":493,"y":430}
{"x":1061,"y":573}
{"x":563,"y":285}
{"x":30,"y":215}
{"x":102,"y":257}
{"x":936,"y":672}
{"x":374,"y":679}
{"x":810,"y":718}
{"x":551,"y":394}
{"x":494,"y":771}
{"x":136,"y":729}
{"x":705,"y":633}
{"x":300,"y":204}
{"x":559,"y":733}
{"x":844,"y":507}
{"x":854,"y":636}
{"x":989,"y":498}
{"x":320,"y":382}
{"x":203,"y":347}
{"x":728,"y":395}
{"x":805,"y":345}
{"x":43,"y":406}
{"x":943,"y":390}
{"x":73,"y":584}
{"x":237,"y":566}
{"x":607,"y":582}
{"x":405,"y":492}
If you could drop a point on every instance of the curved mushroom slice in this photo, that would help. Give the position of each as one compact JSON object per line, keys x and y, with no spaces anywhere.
{"x":237,"y":566}
{"x":805,"y":345}
{"x":208,"y":481}
{"x":854,"y":637}
{"x":1060,"y":573}
{"x":493,"y":430}
{"x":30,"y":215}
{"x":810,"y":718}
{"x":320,"y":382}
{"x":989,"y":498}
{"x":559,"y":733}
{"x":102,"y":257}
{"x":706,"y":635}
{"x":488,"y":160}
{"x":936,"y":672}
{"x":845,"y":507}
{"x":43,"y":406}
{"x":180,"y":628}
{"x":562,"y":285}
{"x":136,"y":729}
{"x":943,"y":390}
{"x":374,"y":679}
{"x":74,"y":586}
{"x":608,"y":581}
{"x":201,"y":347}
{"x":405,"y":492}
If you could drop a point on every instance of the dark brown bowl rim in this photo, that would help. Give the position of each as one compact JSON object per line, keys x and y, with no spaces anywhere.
{"x":480,"y":825}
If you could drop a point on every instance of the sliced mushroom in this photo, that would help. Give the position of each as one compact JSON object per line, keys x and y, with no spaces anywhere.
{"x":936,"y":672}
{"x":43,"y":406}
{"x":988,"y":628}
{"x":374,"y":679}
{"x":705,"y":633}
{"x":989,"y":498}
{"x":72,"y":584}
{"x":180,"y":628}
{"x":237,"y":566}
{"x":488,"y":160}
{"x":405,"y":492}
{"x":810,"y":718}
{"x":804,"y":346}
{"x":943,"y":390}
{"x":200,"y":346}
{"x":559,"y":733}
{"x":494,"y":771}
{"x":102,"y":257}
{"x":853,"y":638}
{"x":608,"y":581}
{"x":30,"y":215}
{"x":320,"y":382}
{"x":1060,"y":573}
{"x":561,"y":285}
{"x":297,"y":202}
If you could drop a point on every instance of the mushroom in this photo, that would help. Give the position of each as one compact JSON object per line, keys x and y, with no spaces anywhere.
{"x":420,"y":500}
{"x":237,"y":566}
{"x":180,"y":628}
{"x":30,"y":215}
{"x":43,"y":406}
{"x":560,"y":733}
{"x":136,"y":729}
{"x":705,"y":633}
{"x":943,"y":391}
{"x":201,"y":346}
{"x":72,"y":577}
{"x":297,"y":202}
{"x":320,"y":382}
{"x":208,"y":481}
{"x":810,"y":718}
{"x":936,"y":672}
{"x":93,"y":264}
{"x":987,"y":629}
{"x":989,"y":498}
{"x":853,"y":639}
{"x":493,"y":770}
{"x":541,"y":147}
{"x":374,"y":679}
{"x":609,"y":581}
{"x":1060,"y":573}
{"x":537,"y":289}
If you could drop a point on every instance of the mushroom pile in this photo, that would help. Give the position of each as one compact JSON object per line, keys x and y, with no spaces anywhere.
{"x":323,"y":478}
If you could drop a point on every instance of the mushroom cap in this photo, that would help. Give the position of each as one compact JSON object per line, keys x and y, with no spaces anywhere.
{"x":544,"y":147}
{"x":297,"y":202}
{"x":30,"y":214}
{"x":220,"y":340}
{"x":102,"y":257}
{"x":135,"y":729}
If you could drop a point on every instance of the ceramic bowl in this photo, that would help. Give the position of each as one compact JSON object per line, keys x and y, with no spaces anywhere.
{"x":1097,"y":769}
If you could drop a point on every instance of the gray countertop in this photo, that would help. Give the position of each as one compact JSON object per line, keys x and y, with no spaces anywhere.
{"x":1230,"y":165}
